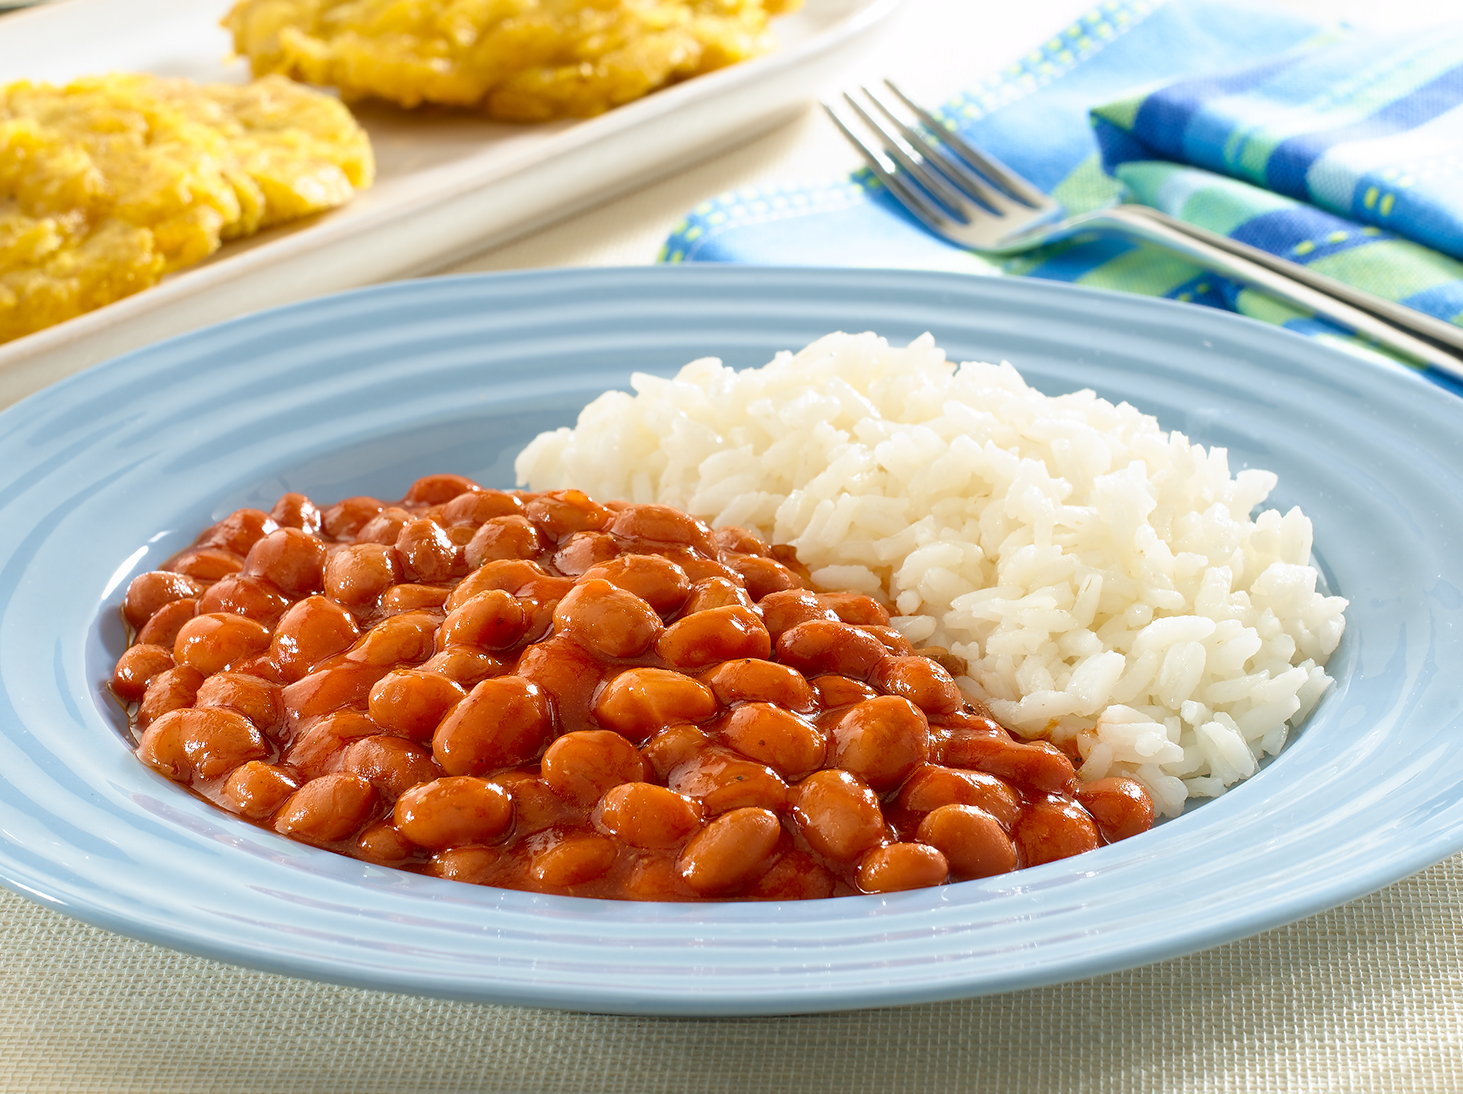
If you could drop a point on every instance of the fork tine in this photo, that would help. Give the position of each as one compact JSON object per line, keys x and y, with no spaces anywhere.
{"x":963,"y":178}
{"x":933,"y":217}
{"x":908,"y":160}
{"x":988,"y":165}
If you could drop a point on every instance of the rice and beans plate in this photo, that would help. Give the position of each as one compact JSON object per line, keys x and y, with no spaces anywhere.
{"x":860,"y":620}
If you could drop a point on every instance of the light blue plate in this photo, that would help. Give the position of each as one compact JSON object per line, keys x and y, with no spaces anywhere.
{"x":108,"y":473}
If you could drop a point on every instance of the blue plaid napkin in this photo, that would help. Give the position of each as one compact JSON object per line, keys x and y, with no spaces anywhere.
{"x":1366,"y":126}
{"x":1331,"y":147}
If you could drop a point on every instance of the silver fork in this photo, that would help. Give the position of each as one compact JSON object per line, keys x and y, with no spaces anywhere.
{"x":970,"y":198}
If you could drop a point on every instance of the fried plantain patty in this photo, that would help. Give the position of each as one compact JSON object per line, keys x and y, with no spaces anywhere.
{"x":110,"y":182}
{"x":517,"y":60}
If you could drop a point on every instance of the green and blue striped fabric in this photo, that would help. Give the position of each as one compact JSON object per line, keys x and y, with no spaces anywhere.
{"x":1366,"y":126}
{"x":1330,"y":147}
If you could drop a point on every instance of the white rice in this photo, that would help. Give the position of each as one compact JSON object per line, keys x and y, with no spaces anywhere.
{"x":1104,"y":579}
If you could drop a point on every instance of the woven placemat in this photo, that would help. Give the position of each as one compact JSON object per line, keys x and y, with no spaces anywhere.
{"x":1366,"y":997}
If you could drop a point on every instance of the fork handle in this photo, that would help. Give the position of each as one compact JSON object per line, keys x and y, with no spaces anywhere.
{"x":1282,"y":286}
{"x":1400,"y":315}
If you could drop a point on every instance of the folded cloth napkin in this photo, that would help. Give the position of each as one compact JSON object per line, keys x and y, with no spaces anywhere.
{"x":1330,"y":147}
{"x":1365,"y":126}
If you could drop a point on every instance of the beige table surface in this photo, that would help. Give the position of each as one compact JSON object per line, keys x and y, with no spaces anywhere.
{"x":1367,"y":997}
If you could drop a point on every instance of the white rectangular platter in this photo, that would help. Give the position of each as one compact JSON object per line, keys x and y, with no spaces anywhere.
{"x":447,"y":185}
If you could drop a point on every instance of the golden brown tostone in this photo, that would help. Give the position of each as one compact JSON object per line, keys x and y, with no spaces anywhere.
{"x":517,"y":60}
{"x":111,"y":182}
